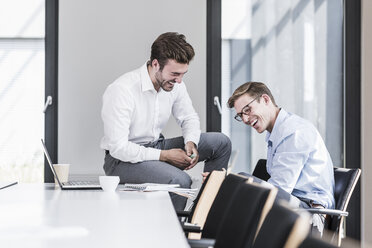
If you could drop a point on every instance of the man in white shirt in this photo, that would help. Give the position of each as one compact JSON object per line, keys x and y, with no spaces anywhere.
{"x":136,"y":108}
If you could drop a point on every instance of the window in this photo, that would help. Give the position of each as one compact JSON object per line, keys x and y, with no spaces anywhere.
{"x":295,"y":47}
{"x":22,"y":66}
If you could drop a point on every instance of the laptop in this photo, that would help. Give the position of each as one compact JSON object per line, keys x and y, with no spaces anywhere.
{"x":72,"y":184}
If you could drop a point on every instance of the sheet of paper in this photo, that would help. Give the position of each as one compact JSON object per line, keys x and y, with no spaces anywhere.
{"x":175,"y":188}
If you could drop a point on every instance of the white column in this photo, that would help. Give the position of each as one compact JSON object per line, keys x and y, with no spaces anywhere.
{"x":366,"y":216}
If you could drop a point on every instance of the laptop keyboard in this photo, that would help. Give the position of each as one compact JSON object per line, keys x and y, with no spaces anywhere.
{"x":79,"y":183}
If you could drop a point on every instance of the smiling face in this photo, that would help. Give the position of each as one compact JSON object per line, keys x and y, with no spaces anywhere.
{"x":171,"y":73}
{"x":259,"y":114}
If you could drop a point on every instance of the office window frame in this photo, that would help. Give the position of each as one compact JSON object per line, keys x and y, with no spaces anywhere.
{"x":51,"y":84}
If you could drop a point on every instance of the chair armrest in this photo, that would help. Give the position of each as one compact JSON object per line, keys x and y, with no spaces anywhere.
{"x":188,"y":227}
{"x":327,"y":211}
{"x":183,"y":213}
{"x":199,"y":243}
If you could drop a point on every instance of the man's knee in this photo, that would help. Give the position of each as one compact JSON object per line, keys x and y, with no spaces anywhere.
{"x":183,"y":180}
{"x":219,"y":139}
{"x":225,"y":141}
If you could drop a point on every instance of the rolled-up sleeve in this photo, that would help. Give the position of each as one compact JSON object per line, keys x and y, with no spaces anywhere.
{"x":186,"y":117}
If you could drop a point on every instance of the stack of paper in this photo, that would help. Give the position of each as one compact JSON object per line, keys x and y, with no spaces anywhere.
{"x":175,"y":188}
{"x":149,"y":186}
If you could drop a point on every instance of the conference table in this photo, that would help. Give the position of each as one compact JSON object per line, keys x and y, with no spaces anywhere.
{"x":42,"y":215}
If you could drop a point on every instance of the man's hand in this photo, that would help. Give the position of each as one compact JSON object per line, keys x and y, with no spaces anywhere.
{"x":192,"y":152}
{"x":176,"y":157}
{"x":204,"y":175}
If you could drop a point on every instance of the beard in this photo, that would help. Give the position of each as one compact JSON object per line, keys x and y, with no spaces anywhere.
{"x":164,"y":84}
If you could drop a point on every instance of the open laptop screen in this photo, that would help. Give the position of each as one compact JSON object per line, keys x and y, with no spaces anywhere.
{"x":50,"y":161}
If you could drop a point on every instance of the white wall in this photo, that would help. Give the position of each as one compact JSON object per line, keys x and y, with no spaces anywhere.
{"x":99,"y":41}
{"x":366,"y":121}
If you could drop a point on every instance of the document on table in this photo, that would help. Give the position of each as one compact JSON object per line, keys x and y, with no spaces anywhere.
{"x":175,"y":188}
{"x":149,"y":186}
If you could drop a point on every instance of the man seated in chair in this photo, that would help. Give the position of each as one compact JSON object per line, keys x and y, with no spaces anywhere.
{"x":298,"y":161}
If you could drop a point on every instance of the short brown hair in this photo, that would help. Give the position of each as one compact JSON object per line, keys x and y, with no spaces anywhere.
{"x":254,"y":89}
{"x":171,"y":45}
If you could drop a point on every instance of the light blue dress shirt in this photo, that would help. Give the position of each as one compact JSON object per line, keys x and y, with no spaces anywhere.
{"x":298,"y":160}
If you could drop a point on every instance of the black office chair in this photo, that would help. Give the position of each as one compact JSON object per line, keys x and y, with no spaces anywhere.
{"x":283,"y":227}
{"x":311,"y":242}
{"x":345,"y":182}
{"x":243,"y":217}
{"x":203,"y":201}
{"x":221,"y":202}
{"x":260,"y":170}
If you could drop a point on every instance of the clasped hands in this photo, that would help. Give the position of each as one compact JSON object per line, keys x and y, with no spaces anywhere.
{"x":182,"y":159}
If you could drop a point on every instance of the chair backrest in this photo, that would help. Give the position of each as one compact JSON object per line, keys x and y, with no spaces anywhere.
{"x":345,"y":182}
{"x":283,"y":227}
{"x":311,"y":242}
{"x":202,"y":188}
{"x":221,"y":204}
{"x":260,"y":170}
{"x":204,"y":200}
{"x":240,"y":223}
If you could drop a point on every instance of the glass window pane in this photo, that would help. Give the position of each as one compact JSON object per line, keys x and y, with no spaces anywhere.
{"x":22,"y":18}
{"x":295,"y":47}
{"x":21,"y":109}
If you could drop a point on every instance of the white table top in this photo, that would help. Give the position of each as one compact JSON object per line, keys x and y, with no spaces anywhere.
{"x":40,"y":215}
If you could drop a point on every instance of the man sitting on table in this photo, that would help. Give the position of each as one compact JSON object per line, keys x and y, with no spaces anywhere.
{"x":298,"y":161}
{"x":136,"y":108}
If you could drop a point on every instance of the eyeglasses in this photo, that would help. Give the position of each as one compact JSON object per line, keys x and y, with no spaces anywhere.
{"x":246,"y":110}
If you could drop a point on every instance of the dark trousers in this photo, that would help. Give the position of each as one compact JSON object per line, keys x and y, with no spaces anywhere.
{"x":213,"y":148}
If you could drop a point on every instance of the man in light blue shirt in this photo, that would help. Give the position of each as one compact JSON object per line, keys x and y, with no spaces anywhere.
{"x":298,"y":161}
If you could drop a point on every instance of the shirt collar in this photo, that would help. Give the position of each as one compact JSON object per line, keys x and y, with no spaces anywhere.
{"x":278,"y":122}
{"x":145,"y":79}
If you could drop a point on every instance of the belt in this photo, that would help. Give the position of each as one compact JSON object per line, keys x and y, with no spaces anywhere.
{"x":150,"y":144}
{"x":154,"y":143}
{"x":314,"y":205}
{"x":311,"y":203}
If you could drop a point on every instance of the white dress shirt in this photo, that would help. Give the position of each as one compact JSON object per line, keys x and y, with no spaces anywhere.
{"x":134,"y":114}
{"x":298,"y":160}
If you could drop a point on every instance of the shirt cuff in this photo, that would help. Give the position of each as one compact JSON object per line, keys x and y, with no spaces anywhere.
{"x":193,"y":138}
{"x":193,"y":141}
{"x":152,"y":154}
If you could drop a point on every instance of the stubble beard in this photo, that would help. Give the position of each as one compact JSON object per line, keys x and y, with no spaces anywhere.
{"x":161,"y":82}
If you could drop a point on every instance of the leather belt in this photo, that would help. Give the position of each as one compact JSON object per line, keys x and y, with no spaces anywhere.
{"x":314,"y":205}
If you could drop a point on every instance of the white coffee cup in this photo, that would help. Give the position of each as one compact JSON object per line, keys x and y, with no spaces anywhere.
{"x":109,"y":183}
{"x":62,"y":171}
